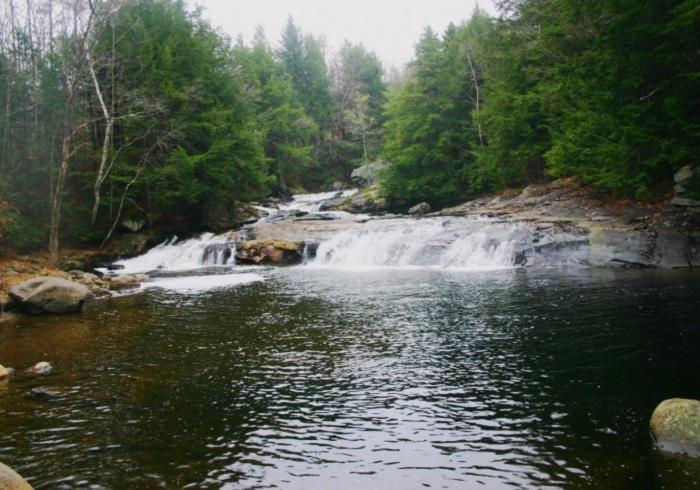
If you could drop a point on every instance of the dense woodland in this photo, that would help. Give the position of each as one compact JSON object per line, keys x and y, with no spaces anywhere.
{"x":140,"y":110}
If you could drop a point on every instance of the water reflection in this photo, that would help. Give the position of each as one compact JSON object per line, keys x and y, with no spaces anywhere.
{"x":401,"y":379}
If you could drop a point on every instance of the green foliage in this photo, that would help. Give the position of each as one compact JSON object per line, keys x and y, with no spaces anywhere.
{"x":303,"y":60}
{"x":287,"y":131}
{"x":429,"y":134}
{"x":599,"y":90}
{"x":359,"y":95}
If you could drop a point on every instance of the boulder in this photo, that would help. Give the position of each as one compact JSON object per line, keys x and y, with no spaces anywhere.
{"x":684,"y":175}
{"x":133,"y":225}
{"x":5,"y":374}
{"x":84,"y":277}
{"x":687,"y":188}
{"x":368,"y":174}
{"x":270,"y":250}
{"x":93,"y":282}
{"x":50,"y":295}
{"x":421,"y":208}
{"x":11,"y":480}
{"x":42,"y":368}
{"x":126,"y":281}
{"x":675,"y":425}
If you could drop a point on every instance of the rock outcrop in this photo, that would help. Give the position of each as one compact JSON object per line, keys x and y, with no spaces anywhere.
{"x":675,"y":426}
{"x":564,"y":223}
{"x":368,"y":200}
{"x":50,"y":295}
{"x":270,"y":251}
{"x":687,"y":188}
{"x":368,"y":174}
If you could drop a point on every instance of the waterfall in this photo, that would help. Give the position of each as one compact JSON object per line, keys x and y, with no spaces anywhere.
{"x":209,"y":249}
{"x":311,"y":203}
{"x":205,"y":249}
{"x":446,"y":243}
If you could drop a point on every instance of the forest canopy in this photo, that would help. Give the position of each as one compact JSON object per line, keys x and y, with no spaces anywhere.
{"x":140,"y":110}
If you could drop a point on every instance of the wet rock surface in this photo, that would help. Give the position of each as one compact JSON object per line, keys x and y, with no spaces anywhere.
{"x":419,"y":209}
{"x":126,"y":281}
{"x":271,"y":250}
{"x":42,"y":368}
{"x":569,"y":225}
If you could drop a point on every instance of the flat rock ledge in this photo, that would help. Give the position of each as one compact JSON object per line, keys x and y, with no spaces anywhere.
{"x":675,"y":426}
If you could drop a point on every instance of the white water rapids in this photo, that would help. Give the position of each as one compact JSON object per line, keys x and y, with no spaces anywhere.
{"x":209,"y":249}
{"x":445,"y":243}
{"x":460,"y":243}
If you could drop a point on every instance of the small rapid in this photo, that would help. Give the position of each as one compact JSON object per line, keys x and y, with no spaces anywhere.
{"x":209,"y":249}
{"x":206,"y":249}
{"x":444,"y":243}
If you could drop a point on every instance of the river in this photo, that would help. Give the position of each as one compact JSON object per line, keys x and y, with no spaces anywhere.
{"x":392,"y":375}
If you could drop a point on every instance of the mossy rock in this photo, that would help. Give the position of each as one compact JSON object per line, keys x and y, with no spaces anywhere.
{"x":675,"y":426}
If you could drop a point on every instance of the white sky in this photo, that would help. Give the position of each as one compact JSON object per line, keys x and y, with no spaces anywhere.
{"x":390,"y":28}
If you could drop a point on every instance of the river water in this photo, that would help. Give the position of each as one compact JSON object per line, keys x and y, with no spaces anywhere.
{"x":318,"y":377}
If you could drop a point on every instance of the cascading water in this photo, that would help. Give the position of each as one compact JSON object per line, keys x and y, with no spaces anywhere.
{"x":203,"y":250}
{"x":209,"y":249}
{"x":308,"y":203}
{"x":449,"y":243}
{"x":311,"y":203}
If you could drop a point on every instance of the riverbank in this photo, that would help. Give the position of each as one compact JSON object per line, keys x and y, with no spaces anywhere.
{"x":556,"y":223}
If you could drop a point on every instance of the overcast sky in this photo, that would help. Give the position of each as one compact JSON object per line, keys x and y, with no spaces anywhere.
{"x":388,"y":27}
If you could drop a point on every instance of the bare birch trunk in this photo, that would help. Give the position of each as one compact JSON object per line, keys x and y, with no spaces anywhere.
{"x":476,"y":103}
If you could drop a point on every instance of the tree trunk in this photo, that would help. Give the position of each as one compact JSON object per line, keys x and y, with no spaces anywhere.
{"x":476,"y":102}
{"x":57,"y":198}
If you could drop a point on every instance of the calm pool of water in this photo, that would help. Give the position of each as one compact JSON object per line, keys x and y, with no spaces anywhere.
{"x":385,"y":379}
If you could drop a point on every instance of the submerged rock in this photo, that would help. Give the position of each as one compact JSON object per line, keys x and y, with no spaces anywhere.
{"x":44,"y":395}
{"x":421,"y":208}
{"x":675,"y":425}
{"x":270,"y":250}
{"x":11,"y":480}
{"x":50,"y":295}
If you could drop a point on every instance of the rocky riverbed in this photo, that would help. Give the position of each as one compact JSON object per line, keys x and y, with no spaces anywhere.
{"x":556,"y":224}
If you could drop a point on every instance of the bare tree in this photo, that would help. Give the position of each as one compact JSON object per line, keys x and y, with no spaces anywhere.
{"x":72,"y":55}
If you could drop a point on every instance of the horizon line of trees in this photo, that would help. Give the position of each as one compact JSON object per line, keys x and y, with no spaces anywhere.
{"x":604,"y":90}
{"x":140,"y":111}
